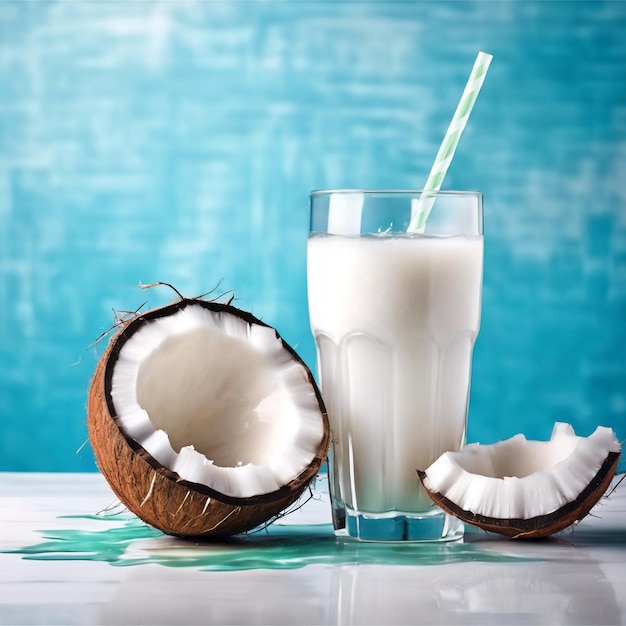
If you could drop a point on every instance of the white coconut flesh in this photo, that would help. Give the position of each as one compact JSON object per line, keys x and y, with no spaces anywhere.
{"x":518,"y":478}
{"x":218,"y":401}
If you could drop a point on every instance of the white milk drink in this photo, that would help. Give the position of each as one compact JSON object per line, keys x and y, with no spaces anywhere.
{"x":395,"y":319}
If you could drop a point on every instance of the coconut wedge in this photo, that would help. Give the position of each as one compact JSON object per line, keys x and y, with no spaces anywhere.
{"x":204,"y":422}
{"x":525,"y":489}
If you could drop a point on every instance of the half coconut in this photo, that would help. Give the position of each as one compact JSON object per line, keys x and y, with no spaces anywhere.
{"x":204,"y":421}
{"x":525,"y":489}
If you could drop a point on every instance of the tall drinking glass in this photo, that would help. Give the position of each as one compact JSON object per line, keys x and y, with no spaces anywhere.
{"x":395,"y":315}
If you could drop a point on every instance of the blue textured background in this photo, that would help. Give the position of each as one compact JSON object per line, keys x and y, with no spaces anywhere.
{"x":145,"y":141}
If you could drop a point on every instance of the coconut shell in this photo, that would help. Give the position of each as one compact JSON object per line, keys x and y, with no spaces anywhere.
{"x":158,"y":495}
{"x":542,"y":525}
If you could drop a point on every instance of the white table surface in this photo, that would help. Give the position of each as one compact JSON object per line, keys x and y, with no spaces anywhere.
{"x":62,"y":564}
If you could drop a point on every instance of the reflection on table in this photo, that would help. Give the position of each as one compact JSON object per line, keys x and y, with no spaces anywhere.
{"x":70,"y":554}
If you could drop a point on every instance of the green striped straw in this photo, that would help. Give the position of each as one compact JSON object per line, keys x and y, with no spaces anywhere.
{"x":422,"y":207}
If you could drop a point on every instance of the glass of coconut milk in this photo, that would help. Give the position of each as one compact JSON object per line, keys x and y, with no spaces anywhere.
{"x":395,"y":314}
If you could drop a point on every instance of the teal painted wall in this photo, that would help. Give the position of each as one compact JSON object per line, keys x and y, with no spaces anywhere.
{"x":178,"y":141}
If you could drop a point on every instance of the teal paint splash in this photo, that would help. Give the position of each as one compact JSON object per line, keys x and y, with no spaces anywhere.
{"x":89,"y":545}
{"x":276,"y":547}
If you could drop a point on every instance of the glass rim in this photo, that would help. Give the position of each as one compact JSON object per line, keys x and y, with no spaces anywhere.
{"x":396,"y":192}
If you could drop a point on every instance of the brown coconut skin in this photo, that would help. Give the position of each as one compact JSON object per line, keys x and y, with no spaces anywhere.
{"x":159,"y":496}
{"x":543,"y":525}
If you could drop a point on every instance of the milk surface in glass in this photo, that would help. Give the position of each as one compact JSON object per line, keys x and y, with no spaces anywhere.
{"x":395,"y":319}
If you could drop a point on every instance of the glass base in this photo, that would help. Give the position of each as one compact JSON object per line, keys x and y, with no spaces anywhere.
{"x":434,"y":525}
